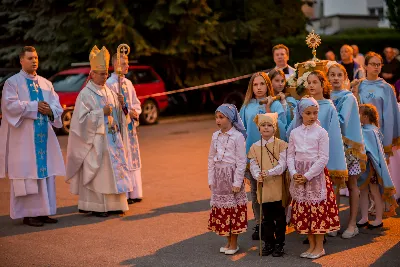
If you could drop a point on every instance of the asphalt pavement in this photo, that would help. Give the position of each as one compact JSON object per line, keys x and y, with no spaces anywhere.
{"x":169,"y":227}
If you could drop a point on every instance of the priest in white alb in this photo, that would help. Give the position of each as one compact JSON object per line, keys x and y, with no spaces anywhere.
{"x":30,"y":155}
{"x":97,"y":166}
{"x":132,"y":109}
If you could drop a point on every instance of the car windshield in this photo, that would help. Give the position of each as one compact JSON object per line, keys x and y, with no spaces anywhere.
{"x":68,"y":82}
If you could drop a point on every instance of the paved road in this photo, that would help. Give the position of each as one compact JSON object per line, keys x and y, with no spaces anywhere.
{"x":169,"y":227}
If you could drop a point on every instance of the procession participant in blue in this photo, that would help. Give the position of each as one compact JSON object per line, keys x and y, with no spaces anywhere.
{"x":374,"y":90}
{"x":289,"y":103}
{"x":376,"y":179}
{"x":30,"y":155}
{"x":98,"y":168}
{"x":131,"y":106}
{"x":260,"y":88}
{"x":350,"y":125}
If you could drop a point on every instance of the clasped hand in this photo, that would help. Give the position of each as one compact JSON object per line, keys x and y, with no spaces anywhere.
{"x":133,"y":114}
{"x":262,"y":177}
{"x":44,"y":108}
{"x":121,"y":99}
{"x":107,"y":110}
{"x":299,"y":179}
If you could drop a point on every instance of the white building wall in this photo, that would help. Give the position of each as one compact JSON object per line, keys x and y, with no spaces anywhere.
{"x":344,"y":7}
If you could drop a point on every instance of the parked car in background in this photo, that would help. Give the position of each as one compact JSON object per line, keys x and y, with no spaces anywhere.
{"x":5,"y":73}
{"x":146,"y":81}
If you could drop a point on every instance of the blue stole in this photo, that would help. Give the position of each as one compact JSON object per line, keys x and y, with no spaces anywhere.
{"x":247,"y":114}
{"x":380,"y":94}
{"x":291,"y":105}
{"x":350,"y":125}
{"x":377,"y":164}
{"x":133,"y":139}
{"x":116,"y":149}
{"x":40,"y":130}
{"x":328,"y":117}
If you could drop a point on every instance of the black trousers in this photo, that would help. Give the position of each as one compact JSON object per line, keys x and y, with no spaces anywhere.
{"x":274,"y":223}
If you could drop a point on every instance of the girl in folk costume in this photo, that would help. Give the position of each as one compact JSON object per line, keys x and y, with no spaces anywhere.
{"x":278,"y":81}
{"x":226,"y":166}
{"x":259,"y":88}
{"x":374,"y":90}
{"x":314,"y":209}
{"x":270,"y":154}
{"x":350,"y":125}
{"x":376,"y":178}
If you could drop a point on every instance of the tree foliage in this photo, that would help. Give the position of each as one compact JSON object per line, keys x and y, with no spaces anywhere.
{"x":188,"y":41}
{"x":394,"y":13}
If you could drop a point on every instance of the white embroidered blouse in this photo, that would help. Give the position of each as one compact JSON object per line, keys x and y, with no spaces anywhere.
{"x":308,"y":143}
{"x":228,"y":148}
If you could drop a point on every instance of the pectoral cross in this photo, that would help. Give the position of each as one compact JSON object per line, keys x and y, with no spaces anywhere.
{"x":43,"y":170}
{"x":41,"y":153}
{"x":41,"y":136}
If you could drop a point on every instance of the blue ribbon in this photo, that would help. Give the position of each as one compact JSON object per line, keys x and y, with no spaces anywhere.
{"x":40,"y":130}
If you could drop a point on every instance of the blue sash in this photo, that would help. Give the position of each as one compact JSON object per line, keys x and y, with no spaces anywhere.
{"x":133,"y":139}
{"x":40,"y":130}
{"x":116,"y":151}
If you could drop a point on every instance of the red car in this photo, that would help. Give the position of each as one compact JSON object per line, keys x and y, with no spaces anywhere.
{"x":146,"y":81}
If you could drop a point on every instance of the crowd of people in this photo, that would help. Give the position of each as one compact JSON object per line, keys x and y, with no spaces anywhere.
{"x":103,"y":156}
{"x":296,"y":154}
{"x":353,"y":61}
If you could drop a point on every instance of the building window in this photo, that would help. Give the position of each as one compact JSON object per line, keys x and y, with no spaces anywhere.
{"x":371,"y":11}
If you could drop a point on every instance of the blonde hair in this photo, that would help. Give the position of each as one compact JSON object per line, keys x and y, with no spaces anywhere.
{"x":250,"y":94}
{"x":342,"y":68}
{"x":371,"y":112}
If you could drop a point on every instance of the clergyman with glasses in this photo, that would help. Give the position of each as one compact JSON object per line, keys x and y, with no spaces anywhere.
{"x":98,"y":169}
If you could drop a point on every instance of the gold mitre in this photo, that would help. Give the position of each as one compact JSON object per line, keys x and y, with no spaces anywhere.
{"x":99,"y":59}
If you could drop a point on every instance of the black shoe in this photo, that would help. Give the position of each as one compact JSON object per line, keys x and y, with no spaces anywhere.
{"x":306,"y":242}
{"x":137,"y":200}
{"x":278,"y":251}
{"x":33,"y":222}
{"x":361,"y":225}
{"x":47,"y":219}
{"x":83,"y":211}
{"x":370,"y":226}
{"x":267,"y":250}
{"x":256,"y":234}
{"x":100,"y":214}
{"x":116,"y":212}
{"x":130,"y":201}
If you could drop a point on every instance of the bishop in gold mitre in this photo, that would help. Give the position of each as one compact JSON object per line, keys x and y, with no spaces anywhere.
{"x":98,"y":167}
{"x":99,"y":59}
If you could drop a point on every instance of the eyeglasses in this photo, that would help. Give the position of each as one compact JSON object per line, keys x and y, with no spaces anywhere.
{"x":376,"y":65}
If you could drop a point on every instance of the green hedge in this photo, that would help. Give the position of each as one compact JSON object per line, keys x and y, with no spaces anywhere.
{"x":366,"y":39}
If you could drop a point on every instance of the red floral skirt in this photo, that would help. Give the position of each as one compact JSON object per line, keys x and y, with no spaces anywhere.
{"x":319,"y":218}
{"x":227,"y":221}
